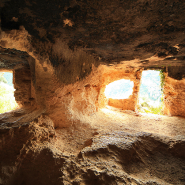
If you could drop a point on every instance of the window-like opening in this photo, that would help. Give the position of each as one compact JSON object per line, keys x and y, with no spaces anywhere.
{"x":120,"y":89}
{"x":151,"y":93}
{"x":7,"y":99}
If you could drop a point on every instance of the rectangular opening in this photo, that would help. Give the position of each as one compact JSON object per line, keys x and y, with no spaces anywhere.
{"x":7,"y":99}
{"x":151,"y":92}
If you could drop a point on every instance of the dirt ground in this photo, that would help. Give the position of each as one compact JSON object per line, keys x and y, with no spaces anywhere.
{"x":111,"y":119}
{"x":110,"y":146}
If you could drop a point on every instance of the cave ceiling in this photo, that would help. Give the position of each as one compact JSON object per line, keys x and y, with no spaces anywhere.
{"x":135,"y":32}
{"x":11,"y":59}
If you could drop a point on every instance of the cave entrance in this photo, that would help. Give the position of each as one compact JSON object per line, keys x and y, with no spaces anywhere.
{"x":150,"y":99}
{"x":7,"y":99}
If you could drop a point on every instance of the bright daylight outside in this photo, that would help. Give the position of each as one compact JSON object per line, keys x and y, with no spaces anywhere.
{"x":120,"y":89}
{"x":7,"y":99}
{"x":151,"y":94}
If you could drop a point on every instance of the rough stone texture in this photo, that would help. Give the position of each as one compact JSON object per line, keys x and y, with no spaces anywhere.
{"x":124,"y":104}
{"x":174,"y":101}
{"x":113,"y":31}
{"x":22,"y":84}
{"x":31,"y":155}
{"x":11,"y":59}
{"x":63,"y":54}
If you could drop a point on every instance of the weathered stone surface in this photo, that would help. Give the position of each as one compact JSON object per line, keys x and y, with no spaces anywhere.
{"x":174,"y":97}
{"x":63,"y":54}
{"x":111,"y":158}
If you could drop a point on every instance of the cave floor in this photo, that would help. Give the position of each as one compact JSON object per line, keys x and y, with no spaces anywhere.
{"x":122,"y":147}
{"x":110,"y":120}
{"x":129,"y":121}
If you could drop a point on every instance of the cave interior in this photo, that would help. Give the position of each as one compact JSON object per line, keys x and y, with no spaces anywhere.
{"x":63,"y":55}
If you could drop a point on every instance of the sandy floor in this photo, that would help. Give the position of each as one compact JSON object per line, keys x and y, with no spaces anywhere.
{"x":110,"y":120}
{"x":114,"y":119}
{"x":102,"y":143}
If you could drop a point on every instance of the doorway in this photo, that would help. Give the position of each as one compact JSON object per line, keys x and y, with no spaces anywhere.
{"x":150,"y":98}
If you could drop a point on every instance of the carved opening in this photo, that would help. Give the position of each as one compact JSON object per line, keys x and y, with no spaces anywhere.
{"x":120,"y":89}
{"x":7,"y":98}
{"x":150,"y":98}
{"x":22,"y":74}
{"x":119,"y":94}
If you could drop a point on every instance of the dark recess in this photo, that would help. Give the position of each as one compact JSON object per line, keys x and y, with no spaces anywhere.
{"x":176,"y":72}
{"x":7,"y":24}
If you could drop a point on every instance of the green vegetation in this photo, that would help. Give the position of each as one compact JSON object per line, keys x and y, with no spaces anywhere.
{"x":151,"y":92}
{"x":7,"y":100}
{"x":2,"y":78}
{"x":162,"y":78}
{"x":145,"y":108}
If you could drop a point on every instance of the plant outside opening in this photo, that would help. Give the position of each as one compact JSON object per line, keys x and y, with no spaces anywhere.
{"x":151,"y":93}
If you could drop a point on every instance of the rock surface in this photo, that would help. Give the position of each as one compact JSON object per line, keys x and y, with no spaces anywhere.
{"x":34,"y":152}
{"x":63,"y":54}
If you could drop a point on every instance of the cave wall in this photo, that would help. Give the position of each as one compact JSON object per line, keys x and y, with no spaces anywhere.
{"x":23,"y":87}
{"x":174,"y":96}
{"x":124,"y":104}
{"x":68,"y":46}
{"x":39,"y":84}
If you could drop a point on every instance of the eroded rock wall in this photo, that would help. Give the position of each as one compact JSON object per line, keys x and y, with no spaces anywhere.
{"x":22,"y":84}
{"x":174,"y":97}
{"x":32,"y":155}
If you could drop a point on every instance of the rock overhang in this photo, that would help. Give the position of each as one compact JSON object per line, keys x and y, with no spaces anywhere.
{"x":108,"y":31}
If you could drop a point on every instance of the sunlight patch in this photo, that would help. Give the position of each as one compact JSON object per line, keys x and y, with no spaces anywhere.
{"x":120,"y":89}
{"x":7,"y":99}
